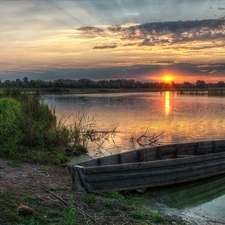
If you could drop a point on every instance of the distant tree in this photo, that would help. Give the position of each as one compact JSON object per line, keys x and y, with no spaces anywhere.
{"x":200,"y":84}
{"x":25,"y":82}
{"x":220,"y":84}
{"x":33,"y":84}
{"x":188,"y":85}
{"x":84,"y":82}
{"x":7,"y":83}
{"x":18,"y":83}
{"x":102,"y":83}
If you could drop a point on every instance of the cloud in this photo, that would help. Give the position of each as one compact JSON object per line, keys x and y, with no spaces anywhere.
{"x":90,"y":29}
{"x":105,"y":46}
{"x":161,"y":33}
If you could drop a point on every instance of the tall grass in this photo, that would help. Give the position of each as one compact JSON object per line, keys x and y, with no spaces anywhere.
{"x":10,"y":134}
{"x":37,"y":122}
{"x":74,"y":137}
{"x":29,"y":130}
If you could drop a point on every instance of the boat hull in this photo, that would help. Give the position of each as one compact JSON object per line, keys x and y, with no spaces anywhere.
{"x":150,"y":167}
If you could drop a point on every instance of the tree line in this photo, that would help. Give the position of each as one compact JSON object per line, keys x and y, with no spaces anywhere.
{"x":118,"y":83}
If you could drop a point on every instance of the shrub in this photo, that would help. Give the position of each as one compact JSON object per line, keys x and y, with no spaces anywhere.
{"x":10,"y":134}
{"x":37,"y":122}
{"x":29,"y":131}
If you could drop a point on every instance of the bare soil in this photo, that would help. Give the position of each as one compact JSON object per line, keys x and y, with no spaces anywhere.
{"x":33,"y":178}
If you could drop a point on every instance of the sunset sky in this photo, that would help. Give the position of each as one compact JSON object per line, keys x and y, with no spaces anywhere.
{"x":143,"y":40}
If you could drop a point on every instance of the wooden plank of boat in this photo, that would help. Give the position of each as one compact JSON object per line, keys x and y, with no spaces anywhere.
{"x":150,"y":167}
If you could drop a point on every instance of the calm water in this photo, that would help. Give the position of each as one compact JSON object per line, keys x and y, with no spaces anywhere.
{"x":181,"y":118}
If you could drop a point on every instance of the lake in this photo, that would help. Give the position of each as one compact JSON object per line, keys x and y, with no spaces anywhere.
{"x":181,"y":118}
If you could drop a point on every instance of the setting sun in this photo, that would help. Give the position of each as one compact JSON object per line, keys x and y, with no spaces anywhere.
{"x":167,"y":78}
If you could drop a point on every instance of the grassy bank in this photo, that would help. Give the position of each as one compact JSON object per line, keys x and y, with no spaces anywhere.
{"x":40,"y":193}
{"x":29,"y":130}
{"x":43,"y":196}
{"x":28,"y":209}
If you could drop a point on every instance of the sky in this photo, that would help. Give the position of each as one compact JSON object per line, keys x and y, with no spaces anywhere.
{"x":144,"y":40}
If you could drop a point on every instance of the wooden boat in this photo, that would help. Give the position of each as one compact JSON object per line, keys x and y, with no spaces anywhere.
{"x":150,"y":167}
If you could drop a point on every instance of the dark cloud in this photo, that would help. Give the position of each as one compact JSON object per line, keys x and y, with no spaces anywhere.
{"x":105,"y":46}
{"x":168,"y":33}
{"x":90,"y":29}
{"x":162,"y":33}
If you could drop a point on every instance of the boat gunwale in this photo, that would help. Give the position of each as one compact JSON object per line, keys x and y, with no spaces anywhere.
{"x":148,"y":164}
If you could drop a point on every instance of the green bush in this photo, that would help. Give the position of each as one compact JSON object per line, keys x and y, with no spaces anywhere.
{"x":37,"y":122}
{"x":29,"y":131}
{"x":10,"y":134}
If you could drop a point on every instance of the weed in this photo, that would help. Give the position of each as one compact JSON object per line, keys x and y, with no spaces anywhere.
{"x":89,"y":198}
{"x":136,"y":199}
{"x":136,"y":214}
{"x":70,"y":214}
{"x":109,"y":205}
{"x":115,"y":195}
{"x":145,"y":214}
{"x":157,"y":217}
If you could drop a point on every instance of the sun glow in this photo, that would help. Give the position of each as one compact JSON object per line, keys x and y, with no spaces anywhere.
{"x":167,"y":102}
{"x":167,"y":78}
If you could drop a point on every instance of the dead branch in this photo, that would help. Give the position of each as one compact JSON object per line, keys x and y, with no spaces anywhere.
{"x":79,"y":210}
{"x":143,"y":135}
{"x":151,"y":140}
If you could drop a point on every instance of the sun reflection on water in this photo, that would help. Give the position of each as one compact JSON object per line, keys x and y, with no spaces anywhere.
{"x":167,"y":102}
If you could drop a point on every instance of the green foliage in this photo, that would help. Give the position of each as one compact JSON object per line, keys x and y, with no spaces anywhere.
{"x":9,"y":201}
{"x":37,"y":122}
{"x":136,"y":214}
{"x":10,"y":135}
{"x":70,"y":214}
{"x":29,"y":131}
{"x":43,"y":156}
{"x":11,"y":93}
{"x":115,"y":195}
{"x":146,"y":214}
{"x":157,"y":217}
{"x":142,"y":213}
{"x":137,"y":199}
{"x":89,"y":198}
